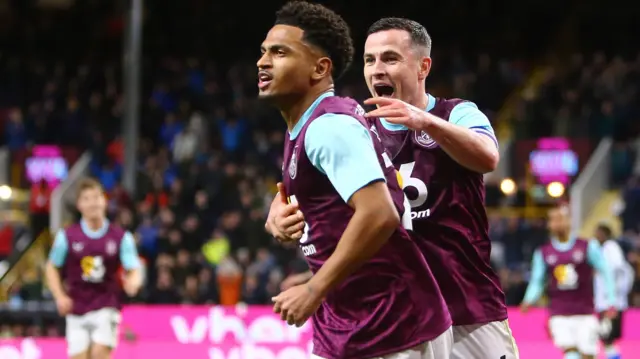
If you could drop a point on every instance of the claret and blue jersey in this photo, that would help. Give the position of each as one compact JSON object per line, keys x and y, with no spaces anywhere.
{"x":566,"y":269}
{"x":330,"y":155}
{"x":128,"y":252}
{"x":465,"y":114}
{"x":450,"y":224}
{"x":90,"y":261}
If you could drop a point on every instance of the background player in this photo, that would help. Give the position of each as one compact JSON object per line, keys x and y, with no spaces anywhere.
{"x":568,"y":263}
{"x":88,"y":255}
{"x":442,"y":154}
{"x":372,"y":292}
{"x":611,"y":329}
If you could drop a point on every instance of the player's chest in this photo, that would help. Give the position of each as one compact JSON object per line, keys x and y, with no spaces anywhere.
{"x":300,"y":177}
{"x":567,"y":266}
{"x":430,"y":165}
{"x":84,"y":248}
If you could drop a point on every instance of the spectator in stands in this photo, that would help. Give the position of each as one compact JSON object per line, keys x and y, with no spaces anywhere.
{"x":15,"y":131}
{"x":39,"y":203}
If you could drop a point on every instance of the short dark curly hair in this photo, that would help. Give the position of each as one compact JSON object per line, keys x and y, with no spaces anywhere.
{"x":417,"y":32}
{"x":322,"y":28}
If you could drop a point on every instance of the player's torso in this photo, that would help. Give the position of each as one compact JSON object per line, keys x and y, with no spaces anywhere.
{"x":570,"y":279}
{"x":326,"y":213}
{"x":449,"y":221}
{"x":375,"y":307}
{"x":91,"y":268}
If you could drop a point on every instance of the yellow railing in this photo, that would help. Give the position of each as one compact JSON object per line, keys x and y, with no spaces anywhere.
{"x":33,"y":259}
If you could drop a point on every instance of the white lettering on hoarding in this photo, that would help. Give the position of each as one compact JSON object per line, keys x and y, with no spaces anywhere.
{"x":218,"y":326}
{"x":249,"y":351}
{"x":28,"y":350}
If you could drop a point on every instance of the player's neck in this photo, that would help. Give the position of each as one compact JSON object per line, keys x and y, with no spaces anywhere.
{"x":421,"y":100}
{"x":563,"y":237}
{"x":293,"y":113}
{"x":94,"y":224}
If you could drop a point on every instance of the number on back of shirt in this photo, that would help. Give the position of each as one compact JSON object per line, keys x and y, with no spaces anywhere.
{"x":406,"y":170}
{"x":305,"y":231}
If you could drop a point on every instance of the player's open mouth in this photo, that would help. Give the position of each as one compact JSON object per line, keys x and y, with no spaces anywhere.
{"x":264,"y":79}
{"x":384,"y":90}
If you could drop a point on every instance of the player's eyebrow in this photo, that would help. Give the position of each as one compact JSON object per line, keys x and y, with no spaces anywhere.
{"x":385,"y":53}
{"x":274,"y":48}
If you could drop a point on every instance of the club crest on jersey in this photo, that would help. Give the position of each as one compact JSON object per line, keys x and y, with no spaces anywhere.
{"x":77,"y":246}
{"x":112,"y":248}
{"x":578,"y":256}
{"x":425,"y":140}
{"x":293,"y":163}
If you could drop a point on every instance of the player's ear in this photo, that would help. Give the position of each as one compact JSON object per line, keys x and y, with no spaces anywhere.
{"x":322,"y":69}
{"x":425,"y":67}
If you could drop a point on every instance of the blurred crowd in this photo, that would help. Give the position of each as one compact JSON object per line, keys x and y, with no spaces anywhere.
{"x":210,"y":154}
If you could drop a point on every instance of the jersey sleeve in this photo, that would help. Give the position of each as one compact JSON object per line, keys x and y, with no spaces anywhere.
{"x":467,"y":114}
{"x":536,"y":282}
{"x":341,"y":147}
{"x":59,"y":249}
{"x":597,"y":260}
{"x":129,"y":253}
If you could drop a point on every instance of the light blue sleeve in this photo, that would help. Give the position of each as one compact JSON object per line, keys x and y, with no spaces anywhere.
{"x":467,"y":114}
{"x":129,"y":253}
{"x":536,"y":281}
{"x":59,"y":249}
{"x":598,"y":262}
{"x":341,"y":148}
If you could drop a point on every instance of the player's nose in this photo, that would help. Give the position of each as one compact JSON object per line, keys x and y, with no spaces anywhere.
{"x":263,"y":62}
{"x":379,"y":71}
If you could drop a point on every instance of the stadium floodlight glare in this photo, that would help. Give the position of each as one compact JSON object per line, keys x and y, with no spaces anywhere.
{"x":5,"y":192}
{"x":508,"y":186}
{"x":555,"y":189}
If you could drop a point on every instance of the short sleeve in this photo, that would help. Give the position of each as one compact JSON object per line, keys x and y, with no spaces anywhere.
{"x":58,"y":253}
{"x":342,"y":148}
{"x":467,"y":114}
{"x":129,"y":253}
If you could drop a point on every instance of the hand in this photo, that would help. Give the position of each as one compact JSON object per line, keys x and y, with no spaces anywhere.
{"x":279,"y":201}
{"x":294,"y":279}
{"x":524,"y":308}
{"x":64,"y":304}
{"x":297,"y":304}
{"x":285,"y":221}
{"x":131,"y":287}
{"x":611,"y":313}
{"x":289,"y":223}
{"x":400,"y":112}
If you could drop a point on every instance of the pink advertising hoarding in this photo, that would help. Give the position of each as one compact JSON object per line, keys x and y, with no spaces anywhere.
{"x":256,"y":333}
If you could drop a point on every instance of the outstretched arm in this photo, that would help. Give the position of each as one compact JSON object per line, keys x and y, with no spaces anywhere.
{"x":467,"y":137}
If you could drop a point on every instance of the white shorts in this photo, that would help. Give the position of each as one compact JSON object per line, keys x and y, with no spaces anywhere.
{"x":481,"y":341}
{"x":98,"y":326}
{"x":575,"y":331}
{"x":438,"y":348}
